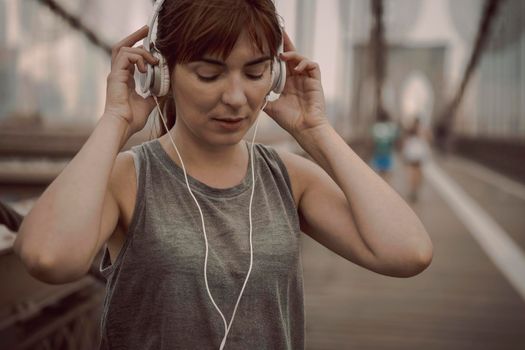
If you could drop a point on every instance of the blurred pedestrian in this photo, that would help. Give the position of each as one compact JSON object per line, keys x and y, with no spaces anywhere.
{"x":384,"y":134}
{"x":414,"y":152}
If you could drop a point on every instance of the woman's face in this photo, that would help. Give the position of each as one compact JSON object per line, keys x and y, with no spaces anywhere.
{"x":210,"y":91}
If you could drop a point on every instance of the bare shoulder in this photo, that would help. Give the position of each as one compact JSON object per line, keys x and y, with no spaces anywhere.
{"x":123,"y":185}
{"x":122,"y":188}
{"x":123,"y":173}
{"x":300,"y":170}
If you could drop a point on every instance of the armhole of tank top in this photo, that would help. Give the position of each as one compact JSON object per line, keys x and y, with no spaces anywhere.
{"x":139,"y":196}
{"x":106,"y":267}
{"x":282,"y":167}
{"x":294,"y":214}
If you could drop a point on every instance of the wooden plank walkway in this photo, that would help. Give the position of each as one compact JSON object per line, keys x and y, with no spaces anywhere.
{"x":460,"y":302}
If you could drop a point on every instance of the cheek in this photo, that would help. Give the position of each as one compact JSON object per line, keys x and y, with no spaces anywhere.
{"x":258,"y":91}
{"x":194,"y":98}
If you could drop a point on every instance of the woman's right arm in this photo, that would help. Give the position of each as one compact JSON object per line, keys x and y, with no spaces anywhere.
{"x":78,"y":212}
{"x":64,"y":231}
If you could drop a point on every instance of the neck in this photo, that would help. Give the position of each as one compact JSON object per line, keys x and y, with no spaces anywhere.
{"x":200,"y":155}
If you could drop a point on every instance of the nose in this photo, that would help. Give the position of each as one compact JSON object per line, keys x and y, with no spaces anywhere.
{"x":234,"y":93}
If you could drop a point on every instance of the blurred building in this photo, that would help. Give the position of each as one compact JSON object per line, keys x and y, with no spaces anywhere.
{"x":494,"y":105}
{"x":53,"y":72}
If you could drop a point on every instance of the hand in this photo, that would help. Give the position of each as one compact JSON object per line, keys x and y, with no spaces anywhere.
{"x":122,"y":101}
{"x":301,"y":106}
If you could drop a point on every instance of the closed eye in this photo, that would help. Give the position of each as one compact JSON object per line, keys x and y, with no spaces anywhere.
{"x":254,"y":77}
{"x":215,"y":77}
{"x":257,"y":73}
{"x":207,"y":78}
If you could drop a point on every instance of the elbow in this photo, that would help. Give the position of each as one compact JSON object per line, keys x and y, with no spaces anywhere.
{"x":407,"y":265}
{"x":421,"y":261}
{"x":419,"y":266}
{"x":45,"y":264}
{"x":420,"y":255}
{"x":47,"y":269}
{"x":427,"y":256}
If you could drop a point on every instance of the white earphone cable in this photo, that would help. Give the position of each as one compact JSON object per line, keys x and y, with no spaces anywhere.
{"x":226,"y":326}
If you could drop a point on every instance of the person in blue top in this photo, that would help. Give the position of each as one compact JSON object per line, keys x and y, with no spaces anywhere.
{"x":384,"y":134}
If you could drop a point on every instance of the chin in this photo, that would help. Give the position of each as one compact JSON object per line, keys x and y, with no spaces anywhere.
{"x":230,"y":137}
{"x":227,"y":139}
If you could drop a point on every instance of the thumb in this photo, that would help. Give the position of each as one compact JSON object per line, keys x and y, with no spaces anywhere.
{"x":269,"y":108}
{"x":150,"y":100}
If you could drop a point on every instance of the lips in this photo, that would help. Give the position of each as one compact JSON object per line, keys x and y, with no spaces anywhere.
{"x":231,"y":120}
{"x":230,"y":124}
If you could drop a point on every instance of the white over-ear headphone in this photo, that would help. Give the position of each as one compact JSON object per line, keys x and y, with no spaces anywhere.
{"x":279,"y":66}
{"x":156,"y":80}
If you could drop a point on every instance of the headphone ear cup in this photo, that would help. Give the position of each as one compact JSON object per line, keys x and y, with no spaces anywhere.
{"x":278,"y":76}
{"x":145,"y":79}
{"x":161,"y":76}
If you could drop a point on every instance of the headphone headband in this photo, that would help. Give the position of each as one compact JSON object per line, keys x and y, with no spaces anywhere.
{"x":156,"y":80}
{"x":152,"y":25}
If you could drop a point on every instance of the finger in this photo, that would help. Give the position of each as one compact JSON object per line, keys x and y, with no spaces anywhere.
{"x":268,"y":109}
{"x":301,"y":64}
{"x":287,"y":43}
{"x":310,"y":68}
{"x":127,"y":57}
{"x":140,"y":51}
{"x":130,"y":40}
{"x":128,"y":60}
{"x":292,"y":58}
{"x":131,"y":83}
{"x":131,"y":69}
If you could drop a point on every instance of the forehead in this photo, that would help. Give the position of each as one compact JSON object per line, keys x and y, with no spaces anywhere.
{"x":244,"y":49}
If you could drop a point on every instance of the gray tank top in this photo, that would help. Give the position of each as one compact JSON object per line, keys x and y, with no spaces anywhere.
{"x":156,"y":296}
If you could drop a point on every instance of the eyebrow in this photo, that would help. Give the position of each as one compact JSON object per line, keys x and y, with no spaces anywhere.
{"x":222,"y":64}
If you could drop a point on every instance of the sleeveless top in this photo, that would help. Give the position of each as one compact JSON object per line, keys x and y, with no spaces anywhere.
{"x":156,"y":296}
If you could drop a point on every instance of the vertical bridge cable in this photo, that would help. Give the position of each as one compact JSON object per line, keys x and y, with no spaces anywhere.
{"x":378,"y":53}
{"x":484,"y":30}
{"x":76,"y":24}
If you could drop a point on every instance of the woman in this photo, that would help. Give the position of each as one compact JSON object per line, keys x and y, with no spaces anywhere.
{"x":185,"y":256}
{"x":415,"y":152}
{"x":384,"y":134}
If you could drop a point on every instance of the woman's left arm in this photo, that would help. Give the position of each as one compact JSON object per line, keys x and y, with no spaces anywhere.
{"x":347,"y":207}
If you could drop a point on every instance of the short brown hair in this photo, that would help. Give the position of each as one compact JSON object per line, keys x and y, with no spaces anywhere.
{"x":189,"y":29}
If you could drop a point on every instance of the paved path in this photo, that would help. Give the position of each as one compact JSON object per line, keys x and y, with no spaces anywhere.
{"x":462,"y":301}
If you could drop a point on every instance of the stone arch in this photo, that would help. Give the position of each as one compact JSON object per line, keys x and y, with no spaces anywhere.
{"x":416,"y":98}
{"x":402,"y":62}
